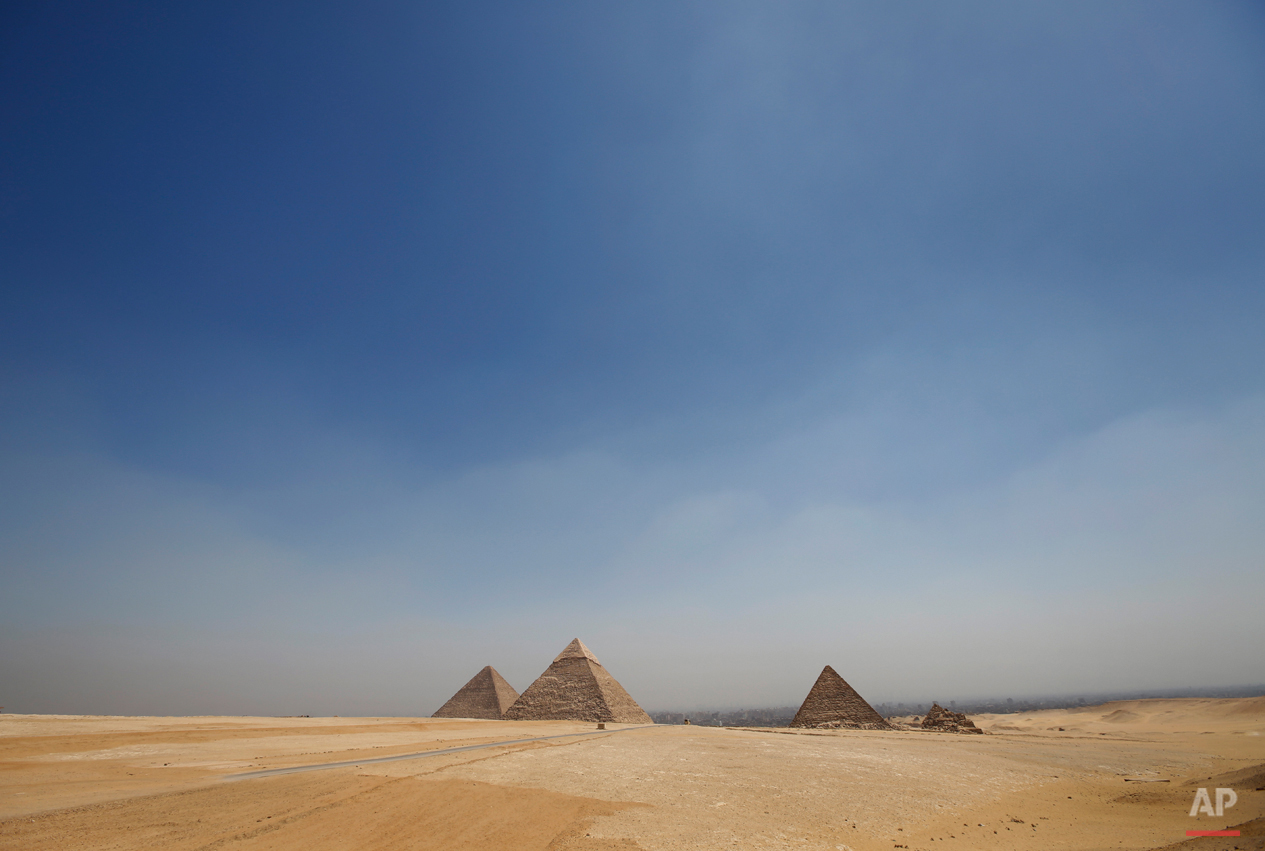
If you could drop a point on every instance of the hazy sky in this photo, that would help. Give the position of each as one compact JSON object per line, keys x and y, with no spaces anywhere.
{"x":348,"y":348}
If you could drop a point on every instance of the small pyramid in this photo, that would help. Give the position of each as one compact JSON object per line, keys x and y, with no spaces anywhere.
{"x":487,"y":695}
{"x":834,"y":703}
{"x":577,"y":688}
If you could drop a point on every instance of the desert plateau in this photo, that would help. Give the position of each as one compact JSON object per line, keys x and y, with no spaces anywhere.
{"x":1117,"y":776}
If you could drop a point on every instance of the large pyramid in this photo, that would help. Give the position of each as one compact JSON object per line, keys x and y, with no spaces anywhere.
{"x":834,"y":703}
{"x":577,"y":688}
{"x":487,"y":695}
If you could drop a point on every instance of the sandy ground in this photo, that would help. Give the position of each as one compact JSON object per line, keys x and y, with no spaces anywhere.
{"x":1118,"y":776}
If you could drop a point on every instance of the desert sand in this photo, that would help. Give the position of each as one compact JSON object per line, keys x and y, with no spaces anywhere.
{"x":1117,"y":776}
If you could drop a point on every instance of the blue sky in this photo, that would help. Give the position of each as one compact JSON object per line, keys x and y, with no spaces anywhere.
{"x":347,"y":349}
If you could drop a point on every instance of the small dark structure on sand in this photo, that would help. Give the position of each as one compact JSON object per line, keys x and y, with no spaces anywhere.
{"x":945,"y":721}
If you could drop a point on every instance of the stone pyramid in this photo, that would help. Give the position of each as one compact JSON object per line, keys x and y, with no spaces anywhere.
{"x":487,"y":695}
{"x":577,"y":688}
{"x":834,"y":703}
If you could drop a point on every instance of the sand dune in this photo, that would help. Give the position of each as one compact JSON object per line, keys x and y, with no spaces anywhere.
{"x":1121,"y":775}
{"x":1190,"y":715}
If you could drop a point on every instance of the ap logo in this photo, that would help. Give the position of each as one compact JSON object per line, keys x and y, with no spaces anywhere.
{"x":1203,"y":804}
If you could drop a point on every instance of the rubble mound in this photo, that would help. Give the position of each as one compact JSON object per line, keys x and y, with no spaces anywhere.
{"x":945,"y":721}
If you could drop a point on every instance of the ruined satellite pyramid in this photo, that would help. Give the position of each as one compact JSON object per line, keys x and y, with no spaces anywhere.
{"x":487,"y":695}
{"x":834,"y":703}
{"x":577,"y":688}
{"x":947,"y":721}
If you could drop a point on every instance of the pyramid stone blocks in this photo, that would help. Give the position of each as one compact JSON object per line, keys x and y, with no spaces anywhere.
{"x":833,"y":703}
{"x":487,"y":695}
{"x":575,"y":687}
{"x":947,"y":721}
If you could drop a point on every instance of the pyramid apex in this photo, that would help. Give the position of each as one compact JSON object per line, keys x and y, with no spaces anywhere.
{"x":576,"y":650}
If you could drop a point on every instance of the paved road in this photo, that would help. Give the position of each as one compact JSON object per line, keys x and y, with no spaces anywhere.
{"x":296,"y":769}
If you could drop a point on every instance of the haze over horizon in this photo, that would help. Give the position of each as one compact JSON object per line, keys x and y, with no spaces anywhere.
{"x":345,"y":350}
